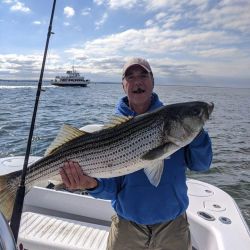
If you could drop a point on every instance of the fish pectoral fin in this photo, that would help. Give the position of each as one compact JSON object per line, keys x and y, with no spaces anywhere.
{"x":160,"y":152}
{"x":154,"y":172}
{"x":66,"y":134}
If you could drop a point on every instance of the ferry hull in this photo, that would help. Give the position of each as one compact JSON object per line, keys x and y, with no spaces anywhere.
{"x":70,"y":84}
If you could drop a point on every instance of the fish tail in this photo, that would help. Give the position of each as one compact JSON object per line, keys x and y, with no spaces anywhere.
{"x":7,"y":194}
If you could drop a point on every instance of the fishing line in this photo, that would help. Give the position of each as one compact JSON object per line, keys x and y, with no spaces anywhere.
{"x":18,"y":206}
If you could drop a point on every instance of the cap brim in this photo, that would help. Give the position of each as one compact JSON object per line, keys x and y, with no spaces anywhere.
{"x":148,"y":70}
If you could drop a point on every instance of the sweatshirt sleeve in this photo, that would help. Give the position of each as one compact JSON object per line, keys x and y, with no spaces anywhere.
{"x":199,"y":152}
{"x":107,"y":188}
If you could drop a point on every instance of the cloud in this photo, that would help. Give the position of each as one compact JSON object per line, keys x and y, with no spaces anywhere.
{"x":221,"y":54}
{"x":159,"y":4}
{"x":68,"y":11}
{"x":156,"y":41}
{"x":127,"y":4}
{"x":103,"y":19}
{"x":99,"y":2}
{"x":37,"y":22}
{"x":227,"y":14}
{"x":164,"y":20}
{"x":17,"y":6}
{"x":20,"y":65}
{"x":15,"y":64}
{"x":117,"y":4}
{"x":8,"y":1}
{"x":86,"y":11}
{"x":231,"y":16}
{"x":149,"y":5}
{"x":160,"y":16}
{"x":149,"y":23}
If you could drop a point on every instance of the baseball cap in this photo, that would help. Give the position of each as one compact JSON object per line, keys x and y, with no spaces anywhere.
{"x":136,"y":61}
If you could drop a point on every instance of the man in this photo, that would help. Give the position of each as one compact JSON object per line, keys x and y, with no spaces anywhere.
{"x":148,"y":217}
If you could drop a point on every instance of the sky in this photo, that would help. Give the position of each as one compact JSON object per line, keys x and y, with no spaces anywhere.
{"x":192,"y":42}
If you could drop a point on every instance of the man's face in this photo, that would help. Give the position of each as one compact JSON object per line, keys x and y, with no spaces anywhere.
{"x":138,"y":85}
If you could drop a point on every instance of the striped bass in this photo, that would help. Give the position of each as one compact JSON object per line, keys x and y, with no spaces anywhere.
{"x":122,"y":147}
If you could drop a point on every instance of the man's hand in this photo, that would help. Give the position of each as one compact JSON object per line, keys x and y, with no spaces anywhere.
{"x":73,"y":177}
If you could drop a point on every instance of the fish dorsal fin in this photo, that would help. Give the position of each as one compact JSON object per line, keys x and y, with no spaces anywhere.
{"x":67,"y":133}
{"x":117,"y":120}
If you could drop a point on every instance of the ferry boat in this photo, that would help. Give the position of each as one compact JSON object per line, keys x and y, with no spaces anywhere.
{"x":71,"y":79}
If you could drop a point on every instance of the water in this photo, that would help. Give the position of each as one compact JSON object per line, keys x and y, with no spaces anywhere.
{"x":229,"y":127}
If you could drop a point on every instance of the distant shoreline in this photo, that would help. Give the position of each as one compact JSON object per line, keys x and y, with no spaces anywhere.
{"x":4,"y":80}
{"x":157,"y":84}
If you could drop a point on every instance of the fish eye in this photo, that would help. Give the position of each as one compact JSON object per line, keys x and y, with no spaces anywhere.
{"x":196,"y":111}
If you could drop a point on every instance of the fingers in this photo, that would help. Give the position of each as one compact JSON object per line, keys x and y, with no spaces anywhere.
{"x":78,"y":169}
{"x":71,"y":175}
{"x":64,"y":178}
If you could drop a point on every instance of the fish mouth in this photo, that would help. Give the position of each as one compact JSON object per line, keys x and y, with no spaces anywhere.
{"x":210,"y":108}
{"x":207,"y":111}
{"x":138,"y":91}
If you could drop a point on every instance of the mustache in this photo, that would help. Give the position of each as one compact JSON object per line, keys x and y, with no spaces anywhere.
{"x":138,"y":91}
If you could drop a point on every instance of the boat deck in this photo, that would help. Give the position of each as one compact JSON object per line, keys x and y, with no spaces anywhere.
{"x":41,"y":232}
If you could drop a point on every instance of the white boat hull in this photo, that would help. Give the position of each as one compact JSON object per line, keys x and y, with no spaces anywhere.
{"x":68,"y":217}
{"x":70,"y":84}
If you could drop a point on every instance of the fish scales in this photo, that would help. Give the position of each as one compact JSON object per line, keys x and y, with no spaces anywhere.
{"x":132,"y":140}
{"x":116,"y":146}
{"x":121,"y":156}
{"x":48,"y":167}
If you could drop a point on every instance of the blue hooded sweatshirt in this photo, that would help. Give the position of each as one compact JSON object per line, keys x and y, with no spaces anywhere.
{"x":135,"y":199}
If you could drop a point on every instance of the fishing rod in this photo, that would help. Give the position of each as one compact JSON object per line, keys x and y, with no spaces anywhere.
{"x":18,"y":205}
